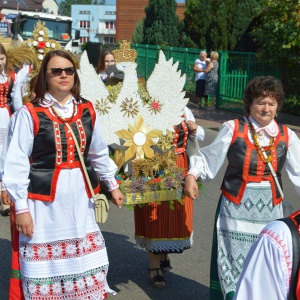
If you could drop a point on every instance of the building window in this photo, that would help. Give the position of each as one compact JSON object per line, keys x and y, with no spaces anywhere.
{"x":84,"y":39}
{"x":109,"y":40}
{"x":85,"y":24}
{"x":110,"y":25}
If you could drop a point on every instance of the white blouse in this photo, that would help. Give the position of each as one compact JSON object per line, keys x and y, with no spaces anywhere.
{"x":268,"y":266}
{"x":18,"y":147}
{"x":210,"y":158}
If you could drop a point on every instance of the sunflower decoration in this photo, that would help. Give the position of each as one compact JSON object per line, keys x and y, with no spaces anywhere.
{"x":40,"y":42}
{"x":139,"y":139}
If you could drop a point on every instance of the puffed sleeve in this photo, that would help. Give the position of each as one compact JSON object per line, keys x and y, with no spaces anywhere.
{"x":15,"y":158}
{"x":267,"y":268}
{"x":292,"y":160}
{"x":209,"y":160}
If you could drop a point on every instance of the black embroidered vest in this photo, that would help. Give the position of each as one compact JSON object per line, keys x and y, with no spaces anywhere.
{"x":245,"y":165}
{"x":54,"y":149}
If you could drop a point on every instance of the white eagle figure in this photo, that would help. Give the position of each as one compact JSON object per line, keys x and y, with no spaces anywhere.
{"x":127,"y":117}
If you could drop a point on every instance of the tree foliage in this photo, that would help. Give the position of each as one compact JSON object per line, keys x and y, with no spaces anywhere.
{"x":161,"y":23}
{"x":138,"y":36}
{"x":218,"y":25}
{"x":277,"y":31}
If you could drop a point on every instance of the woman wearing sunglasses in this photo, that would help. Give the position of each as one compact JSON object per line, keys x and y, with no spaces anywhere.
{"x":62,"y":251}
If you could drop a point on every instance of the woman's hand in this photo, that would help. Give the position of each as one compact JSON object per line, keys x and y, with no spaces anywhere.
{"x":5,"y":198}
{"x":117,"y":197}
{"x":191,"y":187}
{"x":192,"y":126}
{"x":24,"y":224}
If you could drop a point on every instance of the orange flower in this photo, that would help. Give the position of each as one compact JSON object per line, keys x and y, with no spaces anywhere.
{"x":155,"y":180}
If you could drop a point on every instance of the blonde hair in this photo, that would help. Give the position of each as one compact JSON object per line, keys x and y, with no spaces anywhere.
{"x":214,"y":55}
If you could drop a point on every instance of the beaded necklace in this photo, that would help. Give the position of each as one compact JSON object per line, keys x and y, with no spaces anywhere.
{"x":258,"y":147}
{"x":63,"y":120}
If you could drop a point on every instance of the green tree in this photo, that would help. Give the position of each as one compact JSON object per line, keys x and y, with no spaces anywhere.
{"x":278,"y":29}
{"x":277,"y":33}
{"x":196,"y":21}
{"x":138,"y":36}
{"x":218,"y":25}
{"x":161,"y":23}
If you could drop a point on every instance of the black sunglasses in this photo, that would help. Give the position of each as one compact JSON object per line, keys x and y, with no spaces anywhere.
{"x":58,"y":71}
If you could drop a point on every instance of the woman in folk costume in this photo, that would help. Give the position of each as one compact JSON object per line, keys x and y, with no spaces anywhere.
{"x":8,"y":102}
{"x":251,"y":197}
{"x":161,"y":230}
{"x":21,"y":62}
{"x":62,"y":250}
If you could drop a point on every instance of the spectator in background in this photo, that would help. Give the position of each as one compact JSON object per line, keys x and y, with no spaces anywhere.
{"x":212,"y":77}
{"x":200,"y":77}
{"x":106,"y":59}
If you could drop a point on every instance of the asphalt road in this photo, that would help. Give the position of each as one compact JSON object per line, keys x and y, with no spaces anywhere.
{"x":128,"y":272}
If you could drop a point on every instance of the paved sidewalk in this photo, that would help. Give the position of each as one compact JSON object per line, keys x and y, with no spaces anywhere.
{"x":215,"y":117}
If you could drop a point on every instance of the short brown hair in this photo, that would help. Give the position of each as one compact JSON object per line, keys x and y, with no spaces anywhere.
{"x":263,"y":86}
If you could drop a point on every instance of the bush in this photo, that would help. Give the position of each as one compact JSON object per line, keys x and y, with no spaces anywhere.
{"x":292,"y":106}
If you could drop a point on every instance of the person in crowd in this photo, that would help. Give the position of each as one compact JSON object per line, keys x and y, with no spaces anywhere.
{"x":9,"y":102}
{"x":212,"y":77}
{"x":106,"y":59}
{"x":200,"y":78}
{"x":160,"y":230}
{"x":255,"y":145}
{"x":268,"y":266}
{"x":61,"y":249}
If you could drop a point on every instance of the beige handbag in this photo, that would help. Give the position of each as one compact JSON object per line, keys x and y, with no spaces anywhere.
{"x":100,"y":200}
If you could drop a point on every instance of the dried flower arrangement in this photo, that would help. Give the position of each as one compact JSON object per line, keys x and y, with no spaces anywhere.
{"x":152,"y":178}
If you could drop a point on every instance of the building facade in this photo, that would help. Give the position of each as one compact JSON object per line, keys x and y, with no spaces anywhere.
{"x":97,"y":23}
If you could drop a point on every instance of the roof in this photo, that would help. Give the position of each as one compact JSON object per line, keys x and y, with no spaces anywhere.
{"x":28,"y":5}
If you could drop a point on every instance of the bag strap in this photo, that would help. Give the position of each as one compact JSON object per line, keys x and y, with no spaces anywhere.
{"x":296,"y":257}
{"x":79,"y":153}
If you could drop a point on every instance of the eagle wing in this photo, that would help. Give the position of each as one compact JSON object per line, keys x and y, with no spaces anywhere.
{"x":165,"y":87}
